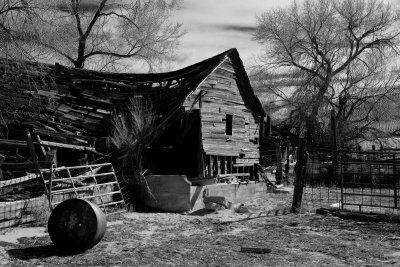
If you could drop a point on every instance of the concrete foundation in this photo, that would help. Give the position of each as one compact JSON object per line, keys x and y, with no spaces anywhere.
{"x":170,"y":193}
{"x":174,"y":193}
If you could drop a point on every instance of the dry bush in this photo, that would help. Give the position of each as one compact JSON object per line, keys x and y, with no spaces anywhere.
{"x":133,"y":131}
{"x":41,"y":213}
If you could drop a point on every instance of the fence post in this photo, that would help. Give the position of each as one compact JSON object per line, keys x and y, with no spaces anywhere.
{"x":278,"y":155}
{"x":287,"y":165}
{"x":299,"y":181}
{"x":341,"y":183}
{"x":394,"y":181}
{"x":334,"y":146}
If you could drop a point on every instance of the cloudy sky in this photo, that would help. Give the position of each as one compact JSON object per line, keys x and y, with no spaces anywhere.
{"x":214,"y":26}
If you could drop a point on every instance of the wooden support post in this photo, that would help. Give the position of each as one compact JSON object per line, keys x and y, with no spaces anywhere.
{"x":49,"y":195}
{"x":215,"y":165}
{"x":2,"y":158}
{"x":234,"y":168}
{"x":218,"y":165}
{"x":262,"y":130}
{"x":225,"y":165}
{"x":229,"y":163}
{"x":299,"y":181}
{"x":42,"y":149}
{"x":31,"y":148}
{"x":287,"y":158}
{"x":209,"y":164}
{"x":50,"y":158}
{"x":268,"y":127}
{"x":395,"y":182}
{"x":278,"y":154}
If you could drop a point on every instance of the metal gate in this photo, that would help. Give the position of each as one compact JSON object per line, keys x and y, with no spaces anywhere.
{"x":369,"y":180}
{"x":96,"y":183}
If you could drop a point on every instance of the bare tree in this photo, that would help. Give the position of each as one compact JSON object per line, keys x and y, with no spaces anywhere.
{"x":330,"y":54}
{"x":16,"y":19}
{"x":102,"y":34}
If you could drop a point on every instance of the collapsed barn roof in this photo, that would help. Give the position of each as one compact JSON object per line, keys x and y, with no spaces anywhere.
{"x":73,"y":101}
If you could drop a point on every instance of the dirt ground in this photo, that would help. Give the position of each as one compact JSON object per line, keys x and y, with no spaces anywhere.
{"x":216,"y":239}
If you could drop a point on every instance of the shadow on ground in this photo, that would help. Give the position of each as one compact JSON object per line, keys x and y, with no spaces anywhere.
{"x":201,"y":212}
{"x":37,"y":252}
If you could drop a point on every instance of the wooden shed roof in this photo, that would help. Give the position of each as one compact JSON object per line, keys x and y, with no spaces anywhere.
{"x":73,"y":100}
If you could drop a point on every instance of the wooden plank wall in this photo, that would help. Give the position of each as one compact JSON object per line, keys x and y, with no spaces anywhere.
{"x":216,"y":97}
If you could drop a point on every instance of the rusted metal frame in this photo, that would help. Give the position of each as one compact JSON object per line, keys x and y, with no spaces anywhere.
{"x":83,"y":176}
{"x":56,"y":192}
{"x":51,"y":187}
{"x":94,"y":196}
{"x":391,"y":184}
{"x":98,"y":187}
{"x":73,"y":184}
{"x":119,"y":188}
{"x":80,"y":167}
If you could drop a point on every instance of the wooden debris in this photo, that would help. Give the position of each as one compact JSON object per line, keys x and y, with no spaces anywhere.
{"x":18,"y":180}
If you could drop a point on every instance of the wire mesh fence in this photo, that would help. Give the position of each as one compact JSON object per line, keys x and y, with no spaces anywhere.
{"x":362,"y":181}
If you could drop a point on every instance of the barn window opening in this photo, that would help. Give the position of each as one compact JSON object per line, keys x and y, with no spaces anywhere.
{"x":228,"y":122}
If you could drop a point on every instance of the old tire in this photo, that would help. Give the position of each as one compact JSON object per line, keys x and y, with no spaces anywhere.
{"x":76,"y":225}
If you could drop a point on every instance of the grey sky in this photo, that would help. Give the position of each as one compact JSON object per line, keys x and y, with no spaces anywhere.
{"x":214,"y":26}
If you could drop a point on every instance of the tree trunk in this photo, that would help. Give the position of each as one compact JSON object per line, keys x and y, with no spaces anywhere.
{"x":299,"y":181}
{"x":318,"y":100}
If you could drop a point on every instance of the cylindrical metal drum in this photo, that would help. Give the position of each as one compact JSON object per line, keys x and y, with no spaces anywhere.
{"x":76,"y":225}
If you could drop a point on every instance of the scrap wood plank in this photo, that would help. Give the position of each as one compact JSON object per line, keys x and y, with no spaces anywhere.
{"x":18,"y":180}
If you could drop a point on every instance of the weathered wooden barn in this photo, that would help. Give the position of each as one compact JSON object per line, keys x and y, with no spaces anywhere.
{"x":211,"y":120}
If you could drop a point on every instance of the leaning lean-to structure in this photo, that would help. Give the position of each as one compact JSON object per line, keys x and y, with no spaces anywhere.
{"x":209,"y":119}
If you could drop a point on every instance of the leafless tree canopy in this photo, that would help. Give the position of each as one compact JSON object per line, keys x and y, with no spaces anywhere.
{"x":106,"y":34}
{"x":326,"y":54}
{"x":16,"y":17}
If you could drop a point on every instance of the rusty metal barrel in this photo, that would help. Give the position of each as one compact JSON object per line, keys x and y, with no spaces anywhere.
{"x":76,"y":225}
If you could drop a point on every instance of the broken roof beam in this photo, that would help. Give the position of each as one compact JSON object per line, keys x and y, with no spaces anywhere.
{"x":12,"y":143}
{"x":77,"y":138}
{"x":22,"y":144}
{"x":108,"y":83}
{"x":68,"y":146}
